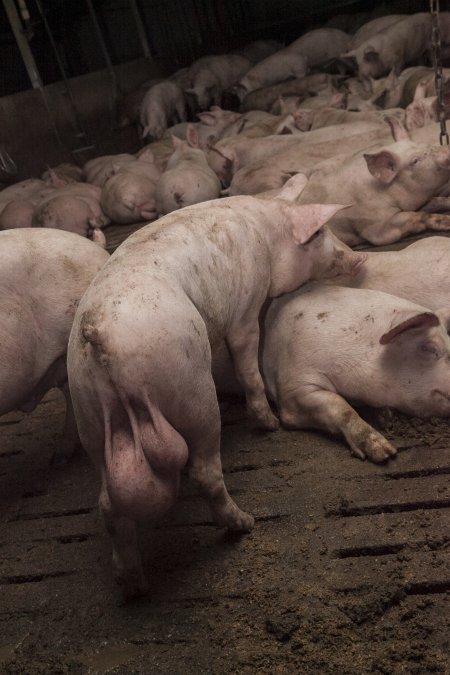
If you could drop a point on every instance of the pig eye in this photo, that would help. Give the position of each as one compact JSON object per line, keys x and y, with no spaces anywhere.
{"x":431,"y":349}
{"x":415,"y":161}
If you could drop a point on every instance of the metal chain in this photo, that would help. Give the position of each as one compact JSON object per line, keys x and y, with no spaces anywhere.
{"x":438,"y":76}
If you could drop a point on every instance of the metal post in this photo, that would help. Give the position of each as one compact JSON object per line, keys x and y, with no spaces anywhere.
{"x":28,"y":59}
{"x":81,"y":133}
{"x":140,"y":29}
{"x":107,"y":58}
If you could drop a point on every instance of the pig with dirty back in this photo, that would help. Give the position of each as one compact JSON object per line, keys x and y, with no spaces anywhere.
{"x":140,"y":350}
{"x":43,"y":275}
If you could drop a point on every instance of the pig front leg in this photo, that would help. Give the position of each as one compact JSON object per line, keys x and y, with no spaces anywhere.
{"x":328,"y":411}
{"x":243,"y":343}
{"x":406,"y":223}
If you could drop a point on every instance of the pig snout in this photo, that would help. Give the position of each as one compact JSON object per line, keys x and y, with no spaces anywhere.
{"x":442,"y":157}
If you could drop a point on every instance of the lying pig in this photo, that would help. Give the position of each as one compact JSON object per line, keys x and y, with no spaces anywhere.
{"x":17,"y":213}
{"x":386,"y":186}
{"x":75,"y":208}
{"x":129,"y":195}
{"x":263,"y":99}
{"x":213,"y":124}
{"x":43,"y":275}
{"x":325,"y":345}
{"x":99,"y":169}
{"x":419,"y":272}
{"x":162,"y":105}
{"x":140,"y":351}
{"x":66,"y":172}
{"x":188,"y":178}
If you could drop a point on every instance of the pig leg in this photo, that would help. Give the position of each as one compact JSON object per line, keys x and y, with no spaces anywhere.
{"x":437,"y":205}
{"x":328,"y":411}
{"x":127,"y":562}
{"x":405,"y":223}
{"x":70,"y":439}
{"x":205,"y":466}
{"x":243,"y":344}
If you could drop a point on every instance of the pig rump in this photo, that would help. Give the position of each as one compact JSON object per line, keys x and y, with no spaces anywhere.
{"x":143,"y":453}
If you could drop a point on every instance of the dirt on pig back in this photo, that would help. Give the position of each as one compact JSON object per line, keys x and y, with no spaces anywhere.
{"x":347,"y":570}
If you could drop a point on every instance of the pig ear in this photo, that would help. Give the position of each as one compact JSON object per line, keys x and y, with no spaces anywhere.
{"x":338,"y":100}
{"x":192,"y":136}
{"x":349,"y":56}
{"x":176,"y":142}
{"x":383,"y":165}
{"x":310,"y":218}
{"x":398,"y":130}
{"x":303,"y":119}
{"x":418,"y":321}
{"x":293,"y":187}
{"x":147,"y":155}
{"x":370,"y":54}
{"x":207,"y":118}
{"x":444,"y":315}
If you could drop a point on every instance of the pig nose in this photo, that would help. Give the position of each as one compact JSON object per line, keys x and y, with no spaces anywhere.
{"x":443,"y":156}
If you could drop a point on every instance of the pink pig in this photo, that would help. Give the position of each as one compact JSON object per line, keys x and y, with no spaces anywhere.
{"x":140,"y":350}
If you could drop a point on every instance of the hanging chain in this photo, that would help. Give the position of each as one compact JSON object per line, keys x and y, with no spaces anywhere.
{"x":437,"y":65}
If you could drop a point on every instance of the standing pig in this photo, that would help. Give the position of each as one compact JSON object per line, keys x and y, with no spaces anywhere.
{"x":43,"y":275}
{"x":210,"y":76}
{"x":140,"y":351}
{"x":188,"y":178}
{"x":401,"y":44}
{"x":162,"y":106}
{"x":325,"y":344}
{"x":309,"y":50}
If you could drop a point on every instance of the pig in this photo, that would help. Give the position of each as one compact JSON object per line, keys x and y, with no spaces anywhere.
{"x":74,"y":207}
{"x":310,"y":49}
{"x":17,"y":213}
{"x":325,"y":345}
{"x":31,"y":188}
{"x":372,"y":27}
{"x":419,"y":272}
{"x":43,"y":275}
{"x":129,"y":106}
{"x":399,"y":45}
{"x":386,"y":186}
{"x":67,"y":172}
{"x":264,"y":98}
{"x":144,"y":398}
{"x":99,"y":169}
{"x":188,"y":179}
{"x":258,"y":50}
{"x":210,"y":76}
{"x":129,"y":195}
{"x":161,"y":106}
{"x":213,"y":124}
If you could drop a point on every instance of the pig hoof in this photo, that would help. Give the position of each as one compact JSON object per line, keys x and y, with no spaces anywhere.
{"x":243,"y":522}
{"x":267,"y":420}
{"x":376,"y":448}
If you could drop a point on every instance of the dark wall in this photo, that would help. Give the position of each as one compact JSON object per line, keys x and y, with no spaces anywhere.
{"x":181,"y":30}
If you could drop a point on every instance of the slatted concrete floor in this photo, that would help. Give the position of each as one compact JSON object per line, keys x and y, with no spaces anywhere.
{"x":346,"y":571}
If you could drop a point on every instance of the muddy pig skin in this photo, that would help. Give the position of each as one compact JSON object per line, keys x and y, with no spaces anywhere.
{"x":43,"y":275}
{"x":325,"y":345}
{"x":140,"y":351}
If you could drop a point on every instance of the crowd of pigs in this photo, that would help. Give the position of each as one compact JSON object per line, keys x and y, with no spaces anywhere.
{"x":335,"y":136}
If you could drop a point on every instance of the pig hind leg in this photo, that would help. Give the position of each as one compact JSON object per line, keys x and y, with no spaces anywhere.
{"x":205,"y":464}
{"x":328,"y":411}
